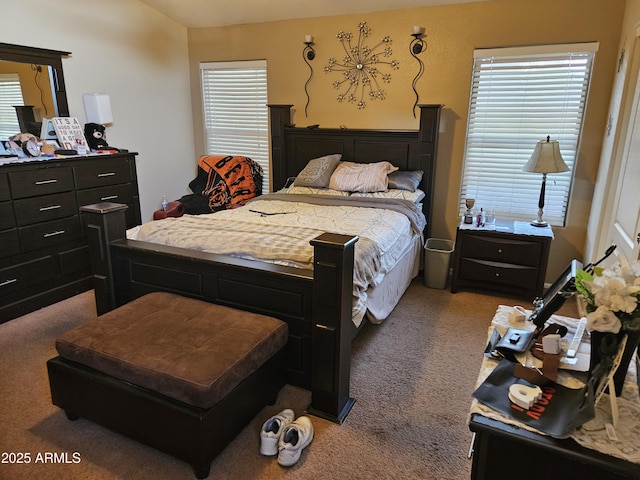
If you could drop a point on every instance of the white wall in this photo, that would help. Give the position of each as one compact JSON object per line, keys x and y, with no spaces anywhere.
{"x":139,"y":57}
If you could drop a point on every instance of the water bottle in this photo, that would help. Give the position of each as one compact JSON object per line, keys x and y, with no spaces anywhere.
{"x":165,"y":204}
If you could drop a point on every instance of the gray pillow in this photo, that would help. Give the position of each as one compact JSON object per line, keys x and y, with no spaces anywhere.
{"x":318,"y":171}
{"x":405,"y":179}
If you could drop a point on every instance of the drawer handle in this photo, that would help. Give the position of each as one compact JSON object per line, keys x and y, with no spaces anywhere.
{"x":499,"y":250}
{"x":8,"y":282}
{"x":53,"y":234}
{"x":110,"y":197}
{"x":51,"y":207}
{"x":497,"y":274}
{"x":45,"y":182}
{"x":110,"y":174}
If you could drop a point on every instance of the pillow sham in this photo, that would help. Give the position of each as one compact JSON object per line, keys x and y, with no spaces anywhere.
{"x":315,"y":191}
{"x":405,"y":179}
{"x":318,"y":171}
{"x":361,"y":177}
{"x":416,"y":197}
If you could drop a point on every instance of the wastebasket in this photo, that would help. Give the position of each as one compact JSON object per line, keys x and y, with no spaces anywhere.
{"x":437,"y":257}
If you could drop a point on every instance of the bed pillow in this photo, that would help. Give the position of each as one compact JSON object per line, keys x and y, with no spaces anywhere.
{"x":361,"y":177}
{"x":414,"y":197}
{"x":405,"y":179}
{"x":318,"y":171}
{"x":315,"y":191}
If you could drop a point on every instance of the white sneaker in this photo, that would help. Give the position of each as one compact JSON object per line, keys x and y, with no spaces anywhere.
{"x":272,"y":429}
{"x":293,"y":440}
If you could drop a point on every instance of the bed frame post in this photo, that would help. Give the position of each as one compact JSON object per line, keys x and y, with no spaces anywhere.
{"x":279,"y":117}
{"x":106,"y":222}
{"x":427,"y":150}
{"x":331,"y":326}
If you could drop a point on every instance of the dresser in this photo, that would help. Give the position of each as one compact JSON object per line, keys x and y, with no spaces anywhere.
{"x":508,"y":258}
{"x":44,"y":256}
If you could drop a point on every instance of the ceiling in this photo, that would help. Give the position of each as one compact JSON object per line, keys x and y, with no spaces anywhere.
{"x":216,"y":13}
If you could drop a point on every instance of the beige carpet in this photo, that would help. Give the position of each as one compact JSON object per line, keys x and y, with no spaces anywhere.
{"x":412,"y":378}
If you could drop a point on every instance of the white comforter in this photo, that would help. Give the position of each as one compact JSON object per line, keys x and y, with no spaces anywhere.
{"x":279,"y":232}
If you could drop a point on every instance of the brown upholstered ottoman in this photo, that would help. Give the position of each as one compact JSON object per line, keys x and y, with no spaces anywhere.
{"x":181,"y":375}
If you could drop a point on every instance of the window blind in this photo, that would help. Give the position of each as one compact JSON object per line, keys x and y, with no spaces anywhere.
{"x":10,"y":96}
{"x":234,"y":96}
{"x":518,"y":97}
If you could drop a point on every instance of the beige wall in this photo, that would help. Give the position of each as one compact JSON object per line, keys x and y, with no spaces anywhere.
{"x":452,"y":34}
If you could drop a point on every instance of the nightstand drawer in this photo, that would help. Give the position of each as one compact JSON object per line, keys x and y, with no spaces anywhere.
{"x":517,"y":276}
{"x":502,"y":250}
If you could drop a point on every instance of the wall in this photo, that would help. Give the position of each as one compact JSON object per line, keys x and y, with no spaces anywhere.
{"x":140,"y":58}
{"x":453,"y":32}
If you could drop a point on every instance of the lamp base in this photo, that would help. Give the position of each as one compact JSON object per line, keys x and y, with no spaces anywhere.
{"x":539,"y":224}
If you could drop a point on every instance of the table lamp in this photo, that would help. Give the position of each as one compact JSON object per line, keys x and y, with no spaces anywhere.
{"x":545,"y":159}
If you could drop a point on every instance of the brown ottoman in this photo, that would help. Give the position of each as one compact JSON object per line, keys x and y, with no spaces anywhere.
{"x":181,"y":375}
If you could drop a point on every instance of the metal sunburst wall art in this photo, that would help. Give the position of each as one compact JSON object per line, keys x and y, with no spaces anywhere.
{"x":362,"y":67}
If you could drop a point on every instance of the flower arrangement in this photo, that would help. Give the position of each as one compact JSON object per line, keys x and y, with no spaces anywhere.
{"x":612,"y":297}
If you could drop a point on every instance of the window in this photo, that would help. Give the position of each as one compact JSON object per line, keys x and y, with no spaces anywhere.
{"x":10,"y":96}
{"x":518,"y":97}
{"x":234,"y":96}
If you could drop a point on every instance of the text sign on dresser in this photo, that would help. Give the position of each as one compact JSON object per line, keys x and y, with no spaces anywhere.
{"x":70,"y":134}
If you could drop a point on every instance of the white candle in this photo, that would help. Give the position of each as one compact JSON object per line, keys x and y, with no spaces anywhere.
{"x":308,"y":39}
{"x":417,"y":29}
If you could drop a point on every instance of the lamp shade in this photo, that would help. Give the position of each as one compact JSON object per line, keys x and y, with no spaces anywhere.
{"x":97,"y":107}
{"x":546,"y":158}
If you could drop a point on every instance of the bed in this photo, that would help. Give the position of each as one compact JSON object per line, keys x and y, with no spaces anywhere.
{"x":316,"y":302}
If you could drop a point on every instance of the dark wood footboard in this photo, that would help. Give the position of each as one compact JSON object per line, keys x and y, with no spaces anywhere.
{"x":316,"y":305}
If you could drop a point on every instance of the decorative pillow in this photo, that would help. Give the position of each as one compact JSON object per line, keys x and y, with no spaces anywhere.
{"x":318,"y":171}
{"x":315,"y":191}
{"x":405,"y":179}
{"x":361,"y":177}
{"x":414,"y":197}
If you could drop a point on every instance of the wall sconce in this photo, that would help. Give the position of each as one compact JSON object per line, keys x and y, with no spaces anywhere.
{"x":308,"y":54}
{"x":416,"y":47}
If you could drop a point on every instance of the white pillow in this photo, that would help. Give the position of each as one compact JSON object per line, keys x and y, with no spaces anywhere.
{"x":414,"y":197}
{"x":315,"y":191}
{"x":361,"y":177}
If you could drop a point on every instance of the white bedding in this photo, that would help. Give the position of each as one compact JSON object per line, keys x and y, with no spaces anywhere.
{"x":279,"y":232}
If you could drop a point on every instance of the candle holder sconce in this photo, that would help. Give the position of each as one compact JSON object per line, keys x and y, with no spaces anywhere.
{"x":308,"y":54}
{"x":416,"y":47}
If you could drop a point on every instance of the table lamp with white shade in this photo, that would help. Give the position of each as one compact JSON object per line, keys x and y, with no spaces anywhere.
{"x":546,"y":158}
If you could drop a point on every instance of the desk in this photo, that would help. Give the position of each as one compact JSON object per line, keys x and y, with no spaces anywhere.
{"x":503,"y":449}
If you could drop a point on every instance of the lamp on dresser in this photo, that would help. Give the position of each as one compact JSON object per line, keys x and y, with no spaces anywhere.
{"x":546,"y":158}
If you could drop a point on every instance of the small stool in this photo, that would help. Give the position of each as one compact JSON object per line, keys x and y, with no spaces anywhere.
{"x":181,"y":375}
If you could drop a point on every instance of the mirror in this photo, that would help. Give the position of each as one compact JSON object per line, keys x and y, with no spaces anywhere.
{"x":42,"y":82}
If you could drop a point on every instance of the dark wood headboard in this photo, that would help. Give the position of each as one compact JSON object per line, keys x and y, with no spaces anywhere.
{"x":292,"y":148}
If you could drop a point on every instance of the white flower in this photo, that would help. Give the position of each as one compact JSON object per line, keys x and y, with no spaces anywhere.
{"x":603,"y":320}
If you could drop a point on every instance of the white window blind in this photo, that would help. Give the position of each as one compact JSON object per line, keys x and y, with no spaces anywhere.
{"x":234,"y":96}
{"x":518,"y":97}
{"x":10,"y":96}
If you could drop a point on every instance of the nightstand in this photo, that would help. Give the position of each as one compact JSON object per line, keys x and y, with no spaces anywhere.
{"x":509,"y":258}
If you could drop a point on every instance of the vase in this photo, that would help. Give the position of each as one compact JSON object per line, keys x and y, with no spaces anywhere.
{"x":633,"y":339}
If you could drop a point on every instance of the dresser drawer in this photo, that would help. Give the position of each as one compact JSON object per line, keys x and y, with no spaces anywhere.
{"x":74,"y":260}
{"x":47,"y":234}
{"x":114,"y":193}
{"x":23,"y":275}
{"x":500,"y":274}
{"x":502,"y":250}
{"x":7,"y":219}
{"x":10,"y":243}
{"x":45,"y":208}
{"x":40,"y":181}
{"x":5,"y":193}
{"x":101,"y":174}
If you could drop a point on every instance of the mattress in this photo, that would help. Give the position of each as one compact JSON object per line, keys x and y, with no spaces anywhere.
{"x":277,"y":229}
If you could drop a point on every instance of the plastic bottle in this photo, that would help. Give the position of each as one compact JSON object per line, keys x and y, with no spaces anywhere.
{"x":165,"y":204}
